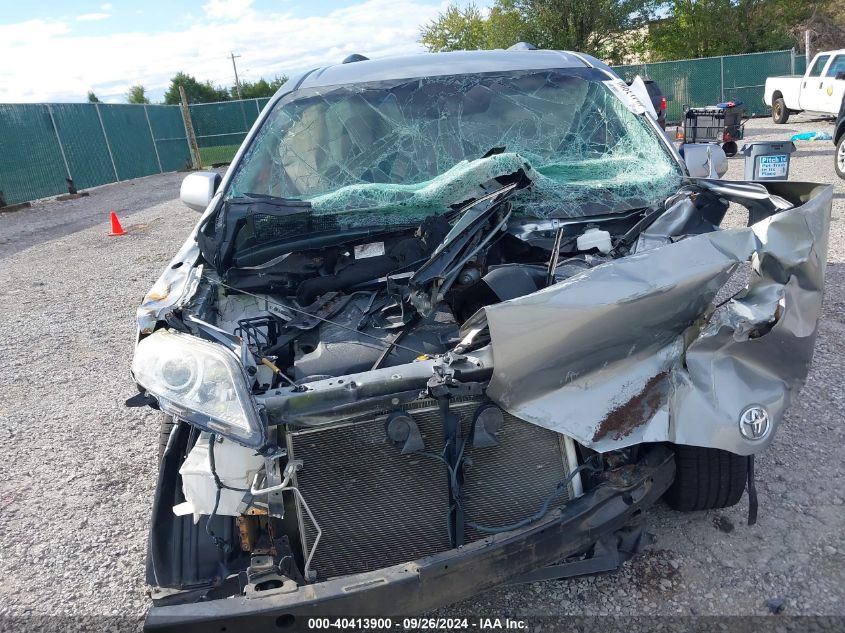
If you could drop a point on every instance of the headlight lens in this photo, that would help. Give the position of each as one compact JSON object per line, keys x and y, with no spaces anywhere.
{"x":200,"y":382}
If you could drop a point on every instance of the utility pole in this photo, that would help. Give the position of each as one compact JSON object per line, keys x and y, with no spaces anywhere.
{"x":807,"y":55}
{"x":235,"y":67}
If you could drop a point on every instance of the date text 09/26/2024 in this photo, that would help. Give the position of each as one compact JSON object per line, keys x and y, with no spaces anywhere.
{"x":417,"y":624}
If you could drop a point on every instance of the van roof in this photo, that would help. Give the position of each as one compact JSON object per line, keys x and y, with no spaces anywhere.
{"x":448,"y":63}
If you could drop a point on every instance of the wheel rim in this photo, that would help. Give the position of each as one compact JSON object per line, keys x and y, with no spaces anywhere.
{"x":777,"y":110}
{"x":840,"y":156}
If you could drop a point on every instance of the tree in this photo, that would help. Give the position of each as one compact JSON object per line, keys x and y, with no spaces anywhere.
{"x":704,"y":28}
{"x":260,"y":88}
{"x":137,"y":94}
{"x":589,"y":26}
{"x":195,"y":91}
{"x":826,"y":24}
{"x":92,"y":98}
{"x":506,"y":25}
{"x":455,"y":30}
{"x":598,"y":27}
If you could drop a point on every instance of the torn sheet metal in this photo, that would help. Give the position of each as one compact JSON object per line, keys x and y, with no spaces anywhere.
{"x":174,"y":287}
{"x":630,"y":351}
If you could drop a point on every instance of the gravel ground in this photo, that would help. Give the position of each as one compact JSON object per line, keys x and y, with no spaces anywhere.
{"x":78,"y":468}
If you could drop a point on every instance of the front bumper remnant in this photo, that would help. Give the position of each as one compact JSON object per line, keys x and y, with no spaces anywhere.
{"x":418,"y":586}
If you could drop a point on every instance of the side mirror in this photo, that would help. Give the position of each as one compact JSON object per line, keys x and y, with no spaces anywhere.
{"x":199,"y":188}
{"x":704,"y":160}
{"x":840,"y":75}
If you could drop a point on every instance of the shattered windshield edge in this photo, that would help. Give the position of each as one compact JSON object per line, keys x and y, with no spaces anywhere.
{"x":401,"y":150}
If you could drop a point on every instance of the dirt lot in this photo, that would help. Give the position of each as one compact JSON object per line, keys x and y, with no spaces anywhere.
{"x":78,"y":468}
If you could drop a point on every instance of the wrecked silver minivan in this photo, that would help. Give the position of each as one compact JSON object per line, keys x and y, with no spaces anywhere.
{"x":456,"y":320}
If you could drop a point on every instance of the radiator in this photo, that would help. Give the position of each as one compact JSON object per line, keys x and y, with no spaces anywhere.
{"x":377,"y":507}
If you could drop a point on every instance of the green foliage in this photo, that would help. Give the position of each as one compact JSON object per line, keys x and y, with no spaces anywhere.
{"x":92,"y":98}
{"x":615,"y":29}
{"x":456,"y":29}
{"x":260,"y":88}
{"x":137,"y":94}
{"x":195,"y":91}
{"x":589,"y":26}
{"x":206,"y":92}
{"x":704,"y":28}
{"x":505,"y":26}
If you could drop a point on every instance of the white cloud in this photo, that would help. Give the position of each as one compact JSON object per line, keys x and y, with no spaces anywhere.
{"x":91,"y":17}
{"x":54,"y":64}
{"x":106,"y":6}
{"x":32,"y":33}
{"x":227,"y":9}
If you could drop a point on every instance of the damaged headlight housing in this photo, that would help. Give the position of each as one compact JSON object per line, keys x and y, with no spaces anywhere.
{"x":199,"y":382}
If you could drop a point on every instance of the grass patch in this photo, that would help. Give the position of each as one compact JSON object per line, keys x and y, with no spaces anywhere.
{"x":218,"y":154}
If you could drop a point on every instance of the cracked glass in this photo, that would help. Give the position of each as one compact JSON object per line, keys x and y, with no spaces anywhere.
{"x":411,"y":148}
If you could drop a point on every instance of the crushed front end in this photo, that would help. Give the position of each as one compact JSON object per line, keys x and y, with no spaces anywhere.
{"x":387,"y":408}
{"x":473,"y":449}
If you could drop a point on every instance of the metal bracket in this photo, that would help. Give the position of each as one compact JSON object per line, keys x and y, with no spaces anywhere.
{"x":264,"y":579}
{"x":292,"y":467}
{"x":607,"y":554}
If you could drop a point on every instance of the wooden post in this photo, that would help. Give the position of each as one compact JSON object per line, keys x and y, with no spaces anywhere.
{"x":807,"y":54}
{"x":189,"y":129}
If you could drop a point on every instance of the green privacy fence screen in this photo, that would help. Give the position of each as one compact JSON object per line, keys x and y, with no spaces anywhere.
{"x":42,"y":145}
{"x":711,"y":80}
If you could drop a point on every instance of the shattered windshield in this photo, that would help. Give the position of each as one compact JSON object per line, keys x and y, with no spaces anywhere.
{"x":406,"y":149}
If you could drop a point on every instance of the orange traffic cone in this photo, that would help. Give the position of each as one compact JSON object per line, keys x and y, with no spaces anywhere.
{"x":116,"y":229}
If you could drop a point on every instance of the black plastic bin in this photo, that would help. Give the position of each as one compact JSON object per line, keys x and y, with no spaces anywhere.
{"x":715,"y":125}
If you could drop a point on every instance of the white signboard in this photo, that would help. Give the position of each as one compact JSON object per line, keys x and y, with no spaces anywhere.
{"x":773,"y":166}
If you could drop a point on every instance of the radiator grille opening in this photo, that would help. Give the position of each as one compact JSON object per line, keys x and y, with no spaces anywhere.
{"x":377,"y":507}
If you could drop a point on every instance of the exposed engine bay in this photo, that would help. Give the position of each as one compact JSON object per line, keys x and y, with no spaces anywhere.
{"x":342,"y":302}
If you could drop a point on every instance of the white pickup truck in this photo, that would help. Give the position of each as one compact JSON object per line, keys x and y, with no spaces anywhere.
{"x":820,"y":90}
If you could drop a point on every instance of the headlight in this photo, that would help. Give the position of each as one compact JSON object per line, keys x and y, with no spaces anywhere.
{"x":200,"y":382}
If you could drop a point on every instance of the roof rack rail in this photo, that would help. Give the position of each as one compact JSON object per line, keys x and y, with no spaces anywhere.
{"x":522,"y":46}
{"x":354,"y":57}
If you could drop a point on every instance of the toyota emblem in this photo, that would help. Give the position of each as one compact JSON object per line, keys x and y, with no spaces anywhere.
{"x":754,"y":423}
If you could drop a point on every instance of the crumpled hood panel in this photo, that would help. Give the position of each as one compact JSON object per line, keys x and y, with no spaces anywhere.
{"x":631,"y":350}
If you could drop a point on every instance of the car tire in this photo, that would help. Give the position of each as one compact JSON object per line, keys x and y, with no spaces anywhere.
{"x":780,"y":113}
{"x":706,"y":478}
{"x":839,"y":157}
{"x":165,"y":428}
{"x":730,"y":148}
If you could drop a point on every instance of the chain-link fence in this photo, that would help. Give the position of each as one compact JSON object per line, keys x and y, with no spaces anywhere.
{"x":712,"y":80}
{"x":43,"y":146}
{"x":221,"y":127}
{"x":48,"y":149}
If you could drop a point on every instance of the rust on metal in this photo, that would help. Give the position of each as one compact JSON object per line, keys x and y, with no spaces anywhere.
{"x":157,"y":294}
{"x":635,"y":412}
{"x":248,"y":530}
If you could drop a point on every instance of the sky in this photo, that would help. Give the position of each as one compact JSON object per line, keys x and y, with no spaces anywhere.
{"x":56,"y":51}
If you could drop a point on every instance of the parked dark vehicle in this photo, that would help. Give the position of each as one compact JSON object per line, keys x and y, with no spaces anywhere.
{"x":451,"y":320}
{"x":839,"y":141}
{"x":658,"y":101}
